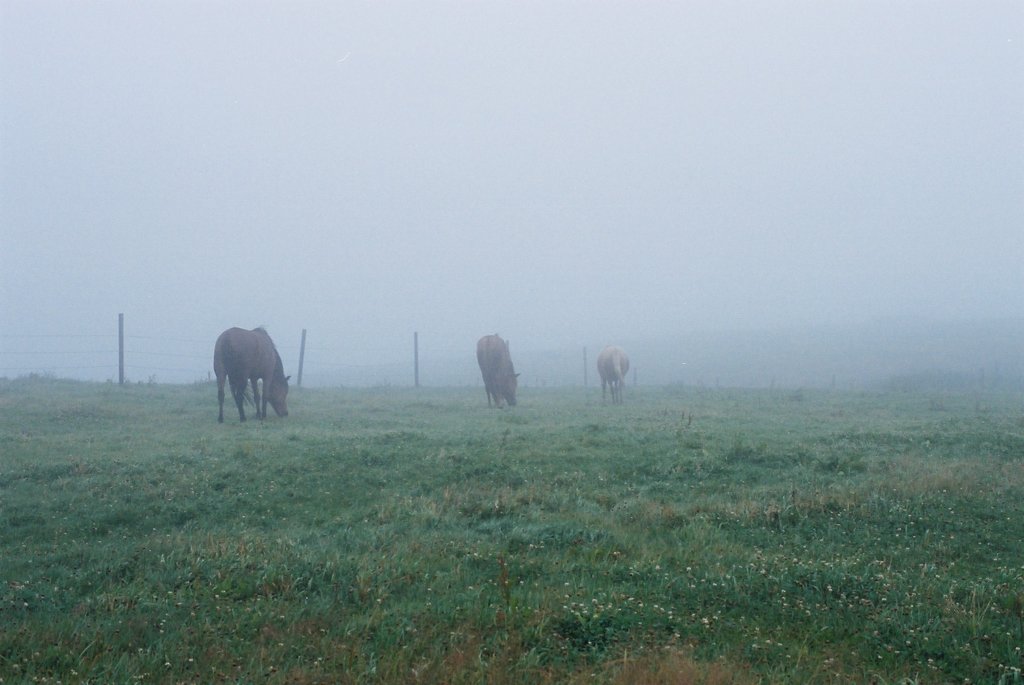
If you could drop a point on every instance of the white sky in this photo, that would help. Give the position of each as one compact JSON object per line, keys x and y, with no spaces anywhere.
{"x":564,"y":173}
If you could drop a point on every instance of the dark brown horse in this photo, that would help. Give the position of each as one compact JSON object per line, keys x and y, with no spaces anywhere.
{"x":247,"y":356}
{"x":500,"y":377}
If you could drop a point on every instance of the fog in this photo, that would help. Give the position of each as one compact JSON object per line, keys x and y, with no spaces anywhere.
{"x":678,"y":176}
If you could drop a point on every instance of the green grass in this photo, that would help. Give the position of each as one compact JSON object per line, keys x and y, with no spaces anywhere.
{"x":403,"y":536}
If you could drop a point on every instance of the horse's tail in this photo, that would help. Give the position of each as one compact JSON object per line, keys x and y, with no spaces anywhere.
{"x":246,"y":392}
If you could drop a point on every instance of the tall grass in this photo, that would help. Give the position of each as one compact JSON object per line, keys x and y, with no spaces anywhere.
{"x":401,"y":536}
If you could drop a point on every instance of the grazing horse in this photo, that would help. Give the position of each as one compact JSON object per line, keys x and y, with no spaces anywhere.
{"x":500,"y":377}
{"x":247,"y":356}
{"x":612,"y":364}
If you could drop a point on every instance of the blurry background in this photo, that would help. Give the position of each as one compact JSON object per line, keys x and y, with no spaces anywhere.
{"x":741,"y":193}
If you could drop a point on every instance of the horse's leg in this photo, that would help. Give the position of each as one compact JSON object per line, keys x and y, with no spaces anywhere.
{"x":238,"y":390}
{"x":256,"y":397}
{"x":220,"y":398}
{"x":266,"y":395}
{"x":492,"y":390}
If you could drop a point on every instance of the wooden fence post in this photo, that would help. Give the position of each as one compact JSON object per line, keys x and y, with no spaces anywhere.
{"x":120,"y":349}
{"x":302,"y":358}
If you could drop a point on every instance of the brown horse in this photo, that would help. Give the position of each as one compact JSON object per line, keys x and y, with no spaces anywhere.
{"x":247,"y":356}
{"x":500,"y":377}
{"x":612,"y":364}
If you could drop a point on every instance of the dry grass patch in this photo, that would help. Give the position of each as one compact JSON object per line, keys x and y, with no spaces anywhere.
{"x":672,"y":666}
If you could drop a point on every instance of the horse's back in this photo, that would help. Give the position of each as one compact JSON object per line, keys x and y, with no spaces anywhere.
{"x":612,"y":364}
{"x":241,"y":352}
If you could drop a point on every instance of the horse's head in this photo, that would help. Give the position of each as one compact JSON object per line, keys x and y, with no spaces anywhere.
{"x":278,"y":396}
{"x":508,"y":387}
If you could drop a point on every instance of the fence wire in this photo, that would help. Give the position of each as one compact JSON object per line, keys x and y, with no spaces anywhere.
{"x":151,"y":358}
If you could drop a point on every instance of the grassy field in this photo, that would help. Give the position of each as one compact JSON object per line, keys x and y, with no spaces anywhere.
{"x":416,"y":536}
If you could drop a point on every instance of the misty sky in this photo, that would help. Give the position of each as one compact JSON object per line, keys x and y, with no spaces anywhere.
{"x":564,"y":173}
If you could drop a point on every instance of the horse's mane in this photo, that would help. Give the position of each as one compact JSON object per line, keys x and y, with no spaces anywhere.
{"x":278,"y":365}
{"x":263,"y":330}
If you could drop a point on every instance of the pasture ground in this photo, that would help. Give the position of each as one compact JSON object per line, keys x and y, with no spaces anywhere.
{"x":416,"y":536}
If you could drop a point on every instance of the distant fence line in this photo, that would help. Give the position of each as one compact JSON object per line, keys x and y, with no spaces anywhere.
{"x":24,"y":361}
{"x":127,"y":357}
{"x":407,"y":360}
{"x":111,"y":353}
